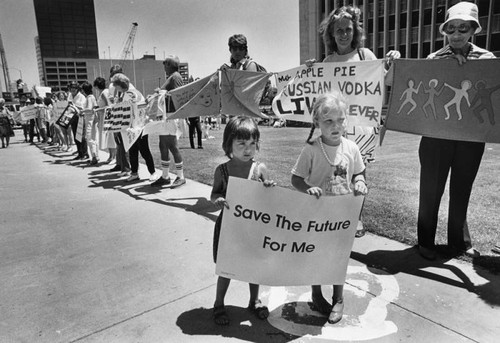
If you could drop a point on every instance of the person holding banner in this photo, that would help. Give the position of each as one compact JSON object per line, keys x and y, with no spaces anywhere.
{"x":102,"y":103}
{"x":440,"y":157}
{"x":343,"y":36}
{"x":78,"y":100}
{"x":240,"y":142}
{"x":6,"y":121}
{"x":239,"y":54}
{"x":168,"y":140}
{"x":330,"y":165}
{"x":89,"y":116}
{"x":122,"y":85}
{"x":66,"y":138}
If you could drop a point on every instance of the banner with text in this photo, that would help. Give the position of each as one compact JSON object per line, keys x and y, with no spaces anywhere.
{"x":362,"y":83}
{"x":266,"y":230}
{"x":28,"y":112}
{"x":441,"y":99}
{"x":199,"y":98}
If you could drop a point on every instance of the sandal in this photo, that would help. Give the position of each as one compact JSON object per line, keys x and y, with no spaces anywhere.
{"x":220,"y":315}
{"x":260,"y":311}
{"x":321,"y":305}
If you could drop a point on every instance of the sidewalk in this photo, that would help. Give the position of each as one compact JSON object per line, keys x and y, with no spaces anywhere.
{"x":87,"y":257}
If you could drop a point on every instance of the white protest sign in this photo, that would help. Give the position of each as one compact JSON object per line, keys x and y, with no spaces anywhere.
{"x":362,"y":83}
{"x":308,"y":240}
{"x":28,"y":112}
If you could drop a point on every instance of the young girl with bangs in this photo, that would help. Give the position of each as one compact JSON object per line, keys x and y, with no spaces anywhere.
{"x":240,"y":143}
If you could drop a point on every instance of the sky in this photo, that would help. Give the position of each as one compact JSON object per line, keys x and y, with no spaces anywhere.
{"x":195,"y":30}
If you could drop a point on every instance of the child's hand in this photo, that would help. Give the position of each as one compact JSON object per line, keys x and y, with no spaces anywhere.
{"x":360,"y":188}
{"x":220,"y":203}
{"x":316,"y":191}
{"x":269,"y":183}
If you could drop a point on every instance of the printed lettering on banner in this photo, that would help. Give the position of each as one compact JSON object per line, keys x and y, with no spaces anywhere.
{"x":269,"y":229}
{"x":362,"y":83}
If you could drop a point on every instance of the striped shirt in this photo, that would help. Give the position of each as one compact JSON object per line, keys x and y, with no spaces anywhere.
{"x":475,"y":52}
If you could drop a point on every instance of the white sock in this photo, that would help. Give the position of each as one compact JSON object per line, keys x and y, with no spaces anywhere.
{"x":165,"y":167}
{"x":180,"y":170}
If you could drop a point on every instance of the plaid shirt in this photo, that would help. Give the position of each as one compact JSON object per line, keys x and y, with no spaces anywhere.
{"x":475,"y":52}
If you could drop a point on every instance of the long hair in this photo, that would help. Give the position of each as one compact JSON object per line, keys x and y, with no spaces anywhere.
{"x":326,"y":102}
{"x":239,"y":127}
{"x":326,"y":27}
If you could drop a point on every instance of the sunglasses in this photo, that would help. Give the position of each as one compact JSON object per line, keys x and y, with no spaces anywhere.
{"x":239,"y":47}
{"x":463,"y":28}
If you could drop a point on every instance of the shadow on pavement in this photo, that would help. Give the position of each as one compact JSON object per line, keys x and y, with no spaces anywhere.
{"x":243,"y":325}
{"x":489,"y":292}
{"x":410,"y":262}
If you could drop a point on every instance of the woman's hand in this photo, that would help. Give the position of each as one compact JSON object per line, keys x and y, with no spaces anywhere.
{"x":360,"y":188}
{"x":390,"y":57}
{"x":316,"y":191}
{"x":269,"y":183}
{"x":220,"y":203}
{"x":461,"y":59}
{"x":310,"y":63}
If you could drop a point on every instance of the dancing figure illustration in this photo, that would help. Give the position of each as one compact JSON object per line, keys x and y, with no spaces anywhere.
{"x":432,"y":93}
{"x":408,"y":94}
{"x":460,"y":93}
{"x":483,"y":98}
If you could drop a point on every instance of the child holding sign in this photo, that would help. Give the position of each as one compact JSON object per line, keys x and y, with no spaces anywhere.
{"x":330,"y":165}
{"x":240,"y":143}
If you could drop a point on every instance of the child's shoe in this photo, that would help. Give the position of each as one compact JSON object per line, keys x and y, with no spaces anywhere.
{"x":337,"y":311}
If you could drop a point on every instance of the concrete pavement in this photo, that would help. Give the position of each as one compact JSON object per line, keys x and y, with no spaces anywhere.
{"x":86,"y":257}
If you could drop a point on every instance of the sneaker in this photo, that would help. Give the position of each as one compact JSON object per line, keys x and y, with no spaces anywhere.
{"x":178,"y":182}
{"x":123,"y":173}
{"x":153,"y":177}
{"x":94,"y":161}
{"x":200,"y":147}
{"x":132,"y":177}
{"x":472,"y":253}
{"x":161,"y":181}
{"x":115,"y":169}
{"x":78,"y":157}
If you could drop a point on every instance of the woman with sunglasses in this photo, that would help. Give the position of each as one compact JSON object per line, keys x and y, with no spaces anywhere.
{"x":440,"y":157}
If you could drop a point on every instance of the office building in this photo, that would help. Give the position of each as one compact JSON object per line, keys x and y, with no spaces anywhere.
{"x":409,"y":26}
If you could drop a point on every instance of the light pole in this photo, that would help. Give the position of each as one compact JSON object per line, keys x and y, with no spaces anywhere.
{"x":154,"y":51}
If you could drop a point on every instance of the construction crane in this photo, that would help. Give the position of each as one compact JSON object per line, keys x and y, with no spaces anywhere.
{"x":129,"y":43}
{"x":5,"y":68}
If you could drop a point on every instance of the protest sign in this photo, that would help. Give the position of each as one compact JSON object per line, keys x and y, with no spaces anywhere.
{"x":66,"y":115}
{"x":241,"y":92}
{"x":199,"y":98}
{"x":138,"y":120}
{"x":442,"y":99}
{"x":308,"y":240}
{"x":28,"y":112}
{"x":156,"y":105}
{"x":362,"y":83}
{"x":80,"y":129}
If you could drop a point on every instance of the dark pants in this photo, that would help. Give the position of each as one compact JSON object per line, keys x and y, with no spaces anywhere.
{"x":33,"y":130}
{"x":142,"y":145}
{"x":81,"y":147}
{"x":437,"y":158}
{"x":121,"y":154}
{"x":194,"y":124}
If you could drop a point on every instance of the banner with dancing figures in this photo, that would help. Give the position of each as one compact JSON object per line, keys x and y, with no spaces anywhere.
{"x":241,"y":92}
{"x":441,"y":99}
{"x":199,"y":98}
{"x":138,"y":119}
{"x":28,"y":112}
{"x":308,"y":240}
{"x":362,"y":83}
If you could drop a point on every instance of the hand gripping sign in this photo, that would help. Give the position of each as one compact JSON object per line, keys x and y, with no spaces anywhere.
{"x":279,"y":237}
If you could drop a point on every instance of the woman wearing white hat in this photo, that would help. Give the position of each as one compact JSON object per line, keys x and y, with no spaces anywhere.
{"x":440,"y":157}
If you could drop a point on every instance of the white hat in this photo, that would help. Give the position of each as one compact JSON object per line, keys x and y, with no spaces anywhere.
{"x":464,"y":11}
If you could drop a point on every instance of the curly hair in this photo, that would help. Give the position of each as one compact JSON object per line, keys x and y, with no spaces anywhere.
{"x":326,"y":27}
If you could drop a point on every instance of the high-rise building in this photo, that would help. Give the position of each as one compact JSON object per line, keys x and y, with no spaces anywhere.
{"x":409,"y":26}
{"x":66,"y":28}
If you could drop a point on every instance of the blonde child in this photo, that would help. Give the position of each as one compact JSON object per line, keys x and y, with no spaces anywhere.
{"x":329,"y":165}
{"x":240,"y":143}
